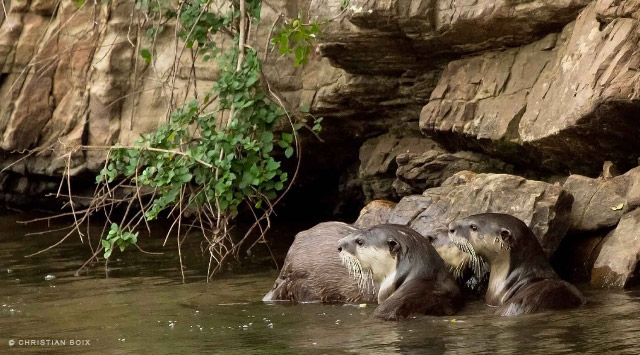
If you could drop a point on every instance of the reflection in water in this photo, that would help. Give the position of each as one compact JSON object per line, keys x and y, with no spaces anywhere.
{"x":143,"y":307}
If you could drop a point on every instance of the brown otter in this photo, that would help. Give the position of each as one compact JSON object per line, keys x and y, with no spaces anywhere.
{"x":413,"y":278}
{"x":470,"y":273}
{"x":313,"y":272}
{"x":521,"y":280}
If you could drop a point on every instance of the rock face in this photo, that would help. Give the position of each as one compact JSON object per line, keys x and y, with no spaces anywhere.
{"x":600,"y":203}
{"x":416,"y":172}
{"x":565,"y":102}
{"x":392,"y":166}
{"x":543,"y":207}
{"x":398,"y":35}
{"x":378,"y":162}
{"x":617,"y":263}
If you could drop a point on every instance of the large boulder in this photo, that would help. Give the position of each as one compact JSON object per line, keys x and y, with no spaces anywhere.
{"x":543,"y":207}
{"x":399,"y":35}
{"x":567,"y":102}
{"x":376,"y":212}
{"x":417,"y":172}
{"x":617,"y":263}
{"x":600,"y":203}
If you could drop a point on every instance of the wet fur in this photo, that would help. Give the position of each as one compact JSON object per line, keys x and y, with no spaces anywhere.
{"x":313,"y":271}
{"x":418,"y":284}
{"x":521,"y":279}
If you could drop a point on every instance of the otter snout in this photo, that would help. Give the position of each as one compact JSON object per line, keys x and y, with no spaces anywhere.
{"x":453,"y":226}
{"x":346,"y":245}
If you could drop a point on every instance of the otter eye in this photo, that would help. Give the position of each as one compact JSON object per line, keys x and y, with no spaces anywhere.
{"x":474,"y":227}
{"x":359,"y":241}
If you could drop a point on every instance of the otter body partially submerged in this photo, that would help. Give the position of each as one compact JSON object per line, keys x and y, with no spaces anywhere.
{"x":412,"y":277}
{"x":313,"y":272}
{"x":521,"y":279}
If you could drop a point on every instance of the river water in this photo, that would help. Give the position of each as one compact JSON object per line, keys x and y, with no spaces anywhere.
{"x":143,"y":307}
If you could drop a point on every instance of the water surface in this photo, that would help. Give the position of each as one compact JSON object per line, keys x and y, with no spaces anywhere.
{"x":143,"y":307}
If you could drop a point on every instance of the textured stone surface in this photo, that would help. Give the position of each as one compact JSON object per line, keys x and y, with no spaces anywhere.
{"x":395,"y":35}
{"x":617,"y":263}
{"x":378,"y":162}
{"x":599,"y":203}
{"x":376,"y":212}
{"x":417,"y":172}
{"x":566,"y":102}
{"x":543,"y":207}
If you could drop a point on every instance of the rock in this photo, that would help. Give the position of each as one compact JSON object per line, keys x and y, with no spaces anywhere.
{"x":376,"y":212}
{"x":543,"y":207}
{"x":393,"y":36}
{"x":617,"y":263}
{"x":378,"y":162}
{"x":609,"y":10}
{"x":566,"y":102}
{"x":600,"y":203}
{"x":417,"y":172}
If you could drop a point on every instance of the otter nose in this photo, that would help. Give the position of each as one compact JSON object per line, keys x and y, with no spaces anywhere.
{"x":339,"y":249}
{"x":452,"y":228}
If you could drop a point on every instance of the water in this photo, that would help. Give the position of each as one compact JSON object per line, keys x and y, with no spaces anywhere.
{"x":142,"y":307}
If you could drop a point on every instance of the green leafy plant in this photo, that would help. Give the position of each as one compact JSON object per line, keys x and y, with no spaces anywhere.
{"x":297,"y":37}
{"x":220,"y":153}
{"x":117,"y":238}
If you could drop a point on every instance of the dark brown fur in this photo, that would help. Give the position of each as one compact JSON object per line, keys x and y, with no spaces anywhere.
{"x":313,"y":272}
{"x":421,"y":283}
{"x":521,"y":279}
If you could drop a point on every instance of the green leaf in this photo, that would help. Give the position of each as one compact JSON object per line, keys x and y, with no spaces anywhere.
{"x":288,"y":152}
{"x":287,"y":137}
{"x":146,"y":55}
{"x":80,"y":3}
{"x":107,"y":253}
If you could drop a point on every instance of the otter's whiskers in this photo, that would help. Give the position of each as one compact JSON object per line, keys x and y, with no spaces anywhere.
{"x":364,"y":277}
{"x":478,"y":265}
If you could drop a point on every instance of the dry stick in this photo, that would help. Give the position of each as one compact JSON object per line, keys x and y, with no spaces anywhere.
{"x":178,"y":57}
{"x":73,"y":209}
{"x":49,"y":231}
{"x":266,"y":45}
{"x":241,"y":44}
{"x":4,"y":9}
{"x":151,"y":149}
{"x":178,"y":235}
{"x":77,"y":273}
{"x":262,"y":234}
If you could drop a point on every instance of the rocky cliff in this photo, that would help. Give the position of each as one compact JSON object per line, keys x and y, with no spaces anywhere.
{"x":526,"y":94}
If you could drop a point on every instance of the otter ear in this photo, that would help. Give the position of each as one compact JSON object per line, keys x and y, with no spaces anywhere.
{"x":506,"y":235}
{"x":394,"y":247}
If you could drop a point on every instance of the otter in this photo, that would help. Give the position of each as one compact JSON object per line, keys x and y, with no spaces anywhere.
{"x":313,"y":272}
{"x":412,"y":277}
{"x":471,"y":274}
{"x":521,"y":279}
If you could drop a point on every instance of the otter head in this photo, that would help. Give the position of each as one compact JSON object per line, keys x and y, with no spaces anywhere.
{"x":485,"y":237}
{"x":371,"y":255}
{"x":456,"y":259}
